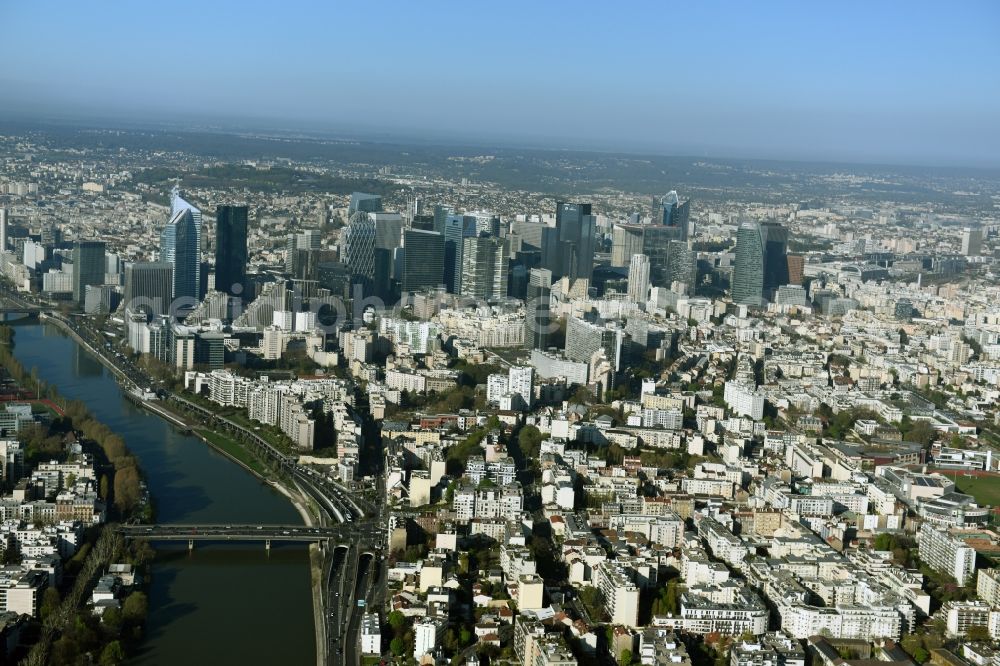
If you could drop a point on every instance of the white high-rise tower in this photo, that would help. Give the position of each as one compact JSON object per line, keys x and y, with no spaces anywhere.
{"x":3,"y":229}
{"x":638,"y":278}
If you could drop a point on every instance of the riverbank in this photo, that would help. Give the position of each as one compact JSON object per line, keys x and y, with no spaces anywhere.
{"x":202,"y":604}
{"x":299,"y":500}
{"x":66,"y":626}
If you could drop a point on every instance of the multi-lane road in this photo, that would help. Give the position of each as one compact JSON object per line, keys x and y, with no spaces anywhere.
{"x":297,"y":533}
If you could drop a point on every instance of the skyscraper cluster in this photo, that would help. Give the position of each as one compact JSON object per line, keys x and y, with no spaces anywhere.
{"x":462,"y":253}
{"x":176,"y":283}
{"x":665,"y":242}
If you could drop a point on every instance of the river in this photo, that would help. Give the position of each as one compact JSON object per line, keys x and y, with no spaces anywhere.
{"x":219,"y":604}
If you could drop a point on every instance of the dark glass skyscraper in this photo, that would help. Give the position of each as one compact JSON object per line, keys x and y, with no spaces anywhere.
{"x":367,"y":203}
{"x":368,"y":243}
{"x":577,"y":228}
{"x":775,"y":239}
{"x":536,"y":321}
{"x":148,"y":287}
{"x":748,"y":271}
{"x":656,"y":242}
{"x":670,"y":212}
{"x":88,"y":267}
{"x":231,"y":249}
{"x":441,"y":214}
{"x":423,"y":260}
{"x":456,"y":229}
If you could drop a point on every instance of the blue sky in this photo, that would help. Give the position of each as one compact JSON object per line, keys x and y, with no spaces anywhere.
{"x":908,"y":82}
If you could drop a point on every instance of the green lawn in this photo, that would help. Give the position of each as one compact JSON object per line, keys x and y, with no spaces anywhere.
{"x":234,"y":449}
{"x":986,"y":489}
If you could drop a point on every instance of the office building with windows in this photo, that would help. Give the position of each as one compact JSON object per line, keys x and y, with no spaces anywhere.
{"x":748,"y":271}
{"x":577,"y":229}
{"x":584,"y":339}
{"x":366,"y":203}
{"x":670,"y":212}
{"x":88,"y":267}
{"x":149,"y":287}
{"x":638,"y":278}
{"x":180,"y":246}
{"x":423,"y":260}
{"x":536,"y":319}
{"x":456,"y":229}
{"x":484,"y":267}
{"x":231,"y":254}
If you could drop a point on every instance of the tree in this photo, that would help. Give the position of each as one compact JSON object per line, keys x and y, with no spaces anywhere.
{"x":671,"y":597}
{"x":114,"y":447}
{"x":582,"y":396}
{"x":910,"y":643}
{"x":592,"y":601}
{"x":449,"y":493}
{"x":920,"y":432}
{"x":530,"y":441}
{"x":397,"y":646}
{"x":112,"y":654}
{"x":50,"y":602}
{"x":127,"y":488}
{"x":978,"y":632}
{"x":397,"y":621}
{"x":112,"y":620}
{"x":65,"y":651}
{"x":135,"y":608}
{"x":625,"y":658}
{"x":884,"y":541}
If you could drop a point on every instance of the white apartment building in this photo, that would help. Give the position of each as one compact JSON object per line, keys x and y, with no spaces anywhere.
{"x":988,"y":586}
{"x":520,"y":382}
{"x":701,"y":615}
{"x":371,"y":634}
{"x":842,"y":621}
{"x":425,"y":637}
{"x":496,"y":388}
{"x":724,"y":545}
{"x":621,"y":595}
{"x":960,"y":616}
{"x":744,"y":401}
{"x":946,"y":553}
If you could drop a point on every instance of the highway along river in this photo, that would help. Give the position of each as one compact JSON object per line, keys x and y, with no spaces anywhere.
{"x":220,"y":604}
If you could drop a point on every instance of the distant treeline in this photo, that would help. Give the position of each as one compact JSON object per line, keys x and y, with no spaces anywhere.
{"x":273,"y":180}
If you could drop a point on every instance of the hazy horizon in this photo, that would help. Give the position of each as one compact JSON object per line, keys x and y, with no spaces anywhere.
{"x":894,"y":83}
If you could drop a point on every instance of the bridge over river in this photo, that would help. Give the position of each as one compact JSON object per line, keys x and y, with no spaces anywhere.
{"x":341,"y":533}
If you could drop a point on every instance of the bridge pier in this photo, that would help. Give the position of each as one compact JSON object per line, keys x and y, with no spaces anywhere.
{"x":267,"y":545}
{"x":190,"y":545}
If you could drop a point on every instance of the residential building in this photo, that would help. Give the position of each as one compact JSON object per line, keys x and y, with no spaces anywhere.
{"x":946,"y":553}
